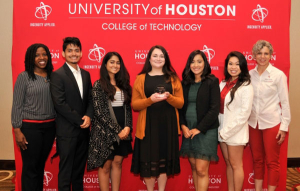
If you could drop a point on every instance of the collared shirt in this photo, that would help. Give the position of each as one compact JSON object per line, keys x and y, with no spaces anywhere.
{"x":229,"y":85}
{"x":271,"y":99}
{"x":78,"y":78}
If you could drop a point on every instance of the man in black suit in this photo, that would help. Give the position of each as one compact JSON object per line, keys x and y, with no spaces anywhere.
{"x":71,"y":93}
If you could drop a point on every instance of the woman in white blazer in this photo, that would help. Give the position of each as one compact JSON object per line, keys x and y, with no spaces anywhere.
{"x":235,"y":108}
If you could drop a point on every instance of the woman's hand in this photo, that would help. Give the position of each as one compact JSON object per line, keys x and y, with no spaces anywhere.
{"x":127,"y":131}
{"x":281,"y":136}
{"x":166,"y":94}
{"x":20,"y":139}
{"x":122,"y":134}
{"x":221,"y":136}
{"x":194,"y":132}
{"x":185,"y":131}
{"x":156,"y":97}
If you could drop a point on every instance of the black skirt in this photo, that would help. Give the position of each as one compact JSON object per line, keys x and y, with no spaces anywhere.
{"x":124,"y":147}
{"x":158,"y":151}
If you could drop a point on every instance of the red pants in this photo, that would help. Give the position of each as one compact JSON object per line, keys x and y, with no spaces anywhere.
{"x":264,"y":148}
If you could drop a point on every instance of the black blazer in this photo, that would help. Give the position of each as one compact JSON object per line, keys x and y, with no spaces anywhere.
{"x":67,"y":101}
{"x":207,"y":105}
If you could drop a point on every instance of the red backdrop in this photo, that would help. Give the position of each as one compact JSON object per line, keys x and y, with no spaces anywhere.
{"x":131,"y":27}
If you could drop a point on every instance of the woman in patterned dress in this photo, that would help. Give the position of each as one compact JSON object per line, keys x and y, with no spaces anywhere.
{"x":110,"y":137}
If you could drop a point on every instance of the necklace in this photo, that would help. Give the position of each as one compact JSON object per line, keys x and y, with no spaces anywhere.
{"x":46,"y":80}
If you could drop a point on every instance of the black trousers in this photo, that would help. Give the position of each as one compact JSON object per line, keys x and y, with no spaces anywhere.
{"x":73,"y":156}
{"x":40,"y":137}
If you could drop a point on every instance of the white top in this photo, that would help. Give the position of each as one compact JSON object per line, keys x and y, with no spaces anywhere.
{"x":270,"y":91}
{"x":78,"y":78}
{"x":118,"y":99}
{"x":234,"y":122}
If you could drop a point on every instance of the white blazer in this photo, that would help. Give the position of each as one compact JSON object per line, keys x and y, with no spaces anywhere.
{"x":234,"y":122}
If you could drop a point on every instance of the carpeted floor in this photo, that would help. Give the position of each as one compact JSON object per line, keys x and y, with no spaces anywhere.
{"x":7,"y":180}
{"x":293,"y":179}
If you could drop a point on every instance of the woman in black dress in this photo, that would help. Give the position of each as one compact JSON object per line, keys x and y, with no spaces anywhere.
{"x":110,"y":137}
{"x":157,"y":94}
{"x":33,"y":115}
{"x":199,"y":117}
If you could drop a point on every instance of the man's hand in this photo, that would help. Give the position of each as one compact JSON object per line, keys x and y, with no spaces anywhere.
{"x":86,"y":122}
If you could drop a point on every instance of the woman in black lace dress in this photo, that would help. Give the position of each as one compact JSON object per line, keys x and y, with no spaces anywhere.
{"x":110,"y":137}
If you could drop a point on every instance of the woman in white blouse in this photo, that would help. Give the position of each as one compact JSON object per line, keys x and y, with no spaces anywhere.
{"x":270,"y":115}
{"x":236,"y":102}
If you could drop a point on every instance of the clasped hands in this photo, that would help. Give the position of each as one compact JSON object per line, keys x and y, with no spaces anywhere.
{"x":157,"y":97}
{"x":189,"y":133}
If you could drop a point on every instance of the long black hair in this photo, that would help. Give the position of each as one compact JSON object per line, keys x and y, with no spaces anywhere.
{"x":188,"y":77}
{"x":244,"y":76}
{"x":30,"y":60}
{"x":168,"y":70}
{"x":122,"y":79}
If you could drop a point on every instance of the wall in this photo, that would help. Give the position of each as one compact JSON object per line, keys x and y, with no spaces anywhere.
{"x":294,"y":148}
{"x":6,"y":142}
{"x":6,"y":152}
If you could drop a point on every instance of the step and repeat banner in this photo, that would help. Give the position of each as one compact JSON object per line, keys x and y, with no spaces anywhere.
{"x":132,"y":27}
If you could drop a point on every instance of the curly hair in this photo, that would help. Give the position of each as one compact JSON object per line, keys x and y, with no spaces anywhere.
{"x":260,"y":44}
{"x":30,"y":60}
